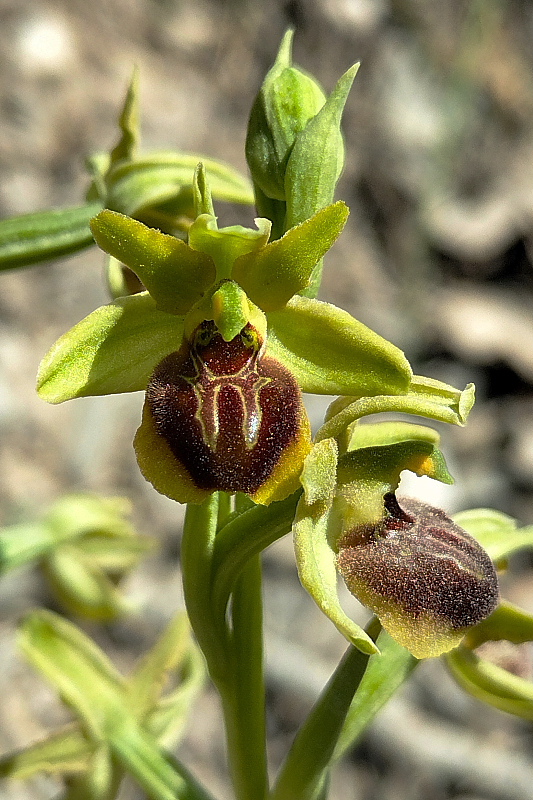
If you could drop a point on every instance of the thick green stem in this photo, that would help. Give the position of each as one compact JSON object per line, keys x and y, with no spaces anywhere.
{"x":244,"y":702}
{"x":306,"y":766}
{"x":234,"y":657}
{"x":197,"y":544}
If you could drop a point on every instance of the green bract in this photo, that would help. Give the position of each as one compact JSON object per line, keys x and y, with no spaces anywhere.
{"x":233,"y":284}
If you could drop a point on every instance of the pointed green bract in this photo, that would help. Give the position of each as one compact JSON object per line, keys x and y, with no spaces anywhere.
{"x":317,"y":158}
{"x":114,"y":349}
{"x":126,"y":147}
{"x":330,"y":352}
{"x":175,"y":275}
{"x":271,"y":276}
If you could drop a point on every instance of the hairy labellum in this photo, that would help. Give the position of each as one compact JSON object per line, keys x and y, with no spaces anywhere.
{"x":227,"y":413}
{"x":424,"y":576}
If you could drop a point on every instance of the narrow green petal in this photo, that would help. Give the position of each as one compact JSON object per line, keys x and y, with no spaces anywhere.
{"x":317,"y":570}
{"x":175,"y":275}
{"x":225,"y":245}
{"x":330,"y":352}
{"x":284,"y":267}
{"x":114,"y":349}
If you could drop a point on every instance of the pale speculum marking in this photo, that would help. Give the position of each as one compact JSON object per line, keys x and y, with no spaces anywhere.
{"x":240,"y":389}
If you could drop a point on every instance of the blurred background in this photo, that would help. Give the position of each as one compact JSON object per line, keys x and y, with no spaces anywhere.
{"x":436,"y":256}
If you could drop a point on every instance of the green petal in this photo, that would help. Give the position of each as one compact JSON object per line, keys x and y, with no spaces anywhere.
{"x":225,"y":245}
{"x":318,"y":573}
{"x":330,"y":352}
{"x":175,"y":275}
{"x":284,"y":267}
{"x":114,"y":349}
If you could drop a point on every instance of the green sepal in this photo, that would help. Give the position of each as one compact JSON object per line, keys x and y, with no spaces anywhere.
{"x":485,"y":680}
{"x":315,"y":558}
{"x":496,"y":532}
{"x":330,"y":352}
{"x":160,"y":177}
{"x":175,"y":275}
{"x":318,"y":575}
{"x":114,"y":349}
{"x":225,"y":245}
{"x":317,"y":158}
{"x":286,"y":102}
{"x":45,"y":235}
{"x":271,"y":276}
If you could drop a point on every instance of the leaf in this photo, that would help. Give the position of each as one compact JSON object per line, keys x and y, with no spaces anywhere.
{"x":65,"y":752}
{"x":45,"y":235}
{"x":384,"y":674}
{"x":114,"y":349}
{"x":160,"y":176}
{"x":89,"y":684}
{"x":330,"y":352}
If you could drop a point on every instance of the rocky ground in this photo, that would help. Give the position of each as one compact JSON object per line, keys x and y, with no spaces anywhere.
{"x":437,"y":256}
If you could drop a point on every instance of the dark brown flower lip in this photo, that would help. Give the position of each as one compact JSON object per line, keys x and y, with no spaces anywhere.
{"x":226,"y":411}
{"x":418,"y":559}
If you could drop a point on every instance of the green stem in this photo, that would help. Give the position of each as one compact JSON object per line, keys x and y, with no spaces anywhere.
{"x":244,"y":705}
{"x":307,"y":764}
{"x":197,"y":545}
